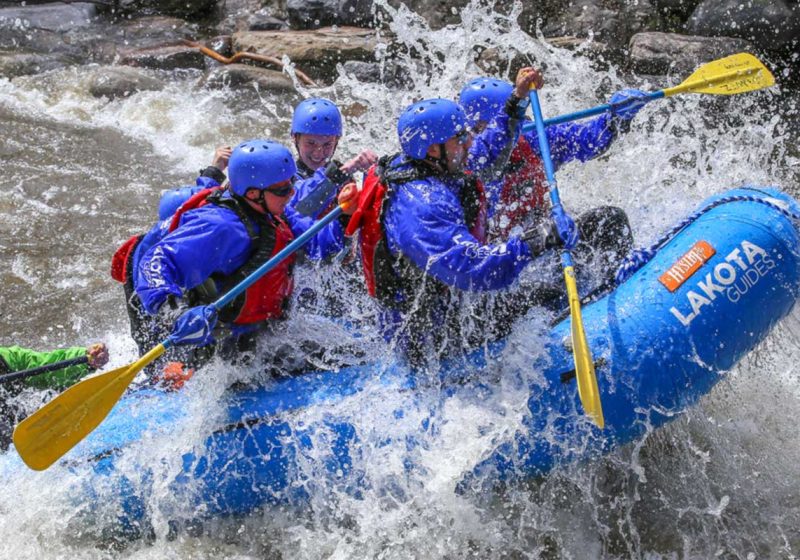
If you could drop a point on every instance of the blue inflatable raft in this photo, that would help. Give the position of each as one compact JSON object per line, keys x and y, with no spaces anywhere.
{"x":713,"y":289}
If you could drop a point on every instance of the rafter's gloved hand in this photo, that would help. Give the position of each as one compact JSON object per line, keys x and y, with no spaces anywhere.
{"x":561,"y":232}
{"x":195,"y":326}
{"x":565,"y":227}
{"x":624,"y":106}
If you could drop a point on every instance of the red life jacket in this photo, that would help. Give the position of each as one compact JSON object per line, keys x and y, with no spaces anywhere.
{"x":524,"y":188}
{"x":269,"y":295}
{"x":368,"y":219}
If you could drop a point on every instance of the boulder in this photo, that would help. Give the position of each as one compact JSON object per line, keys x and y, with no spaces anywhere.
{"x":679,"y":9}
{"x":250,"y":15}
{"x":48,"y":17}
{"x":772,"y":24}
{"x":376,"y":72}
{"x":152,"y":31}
{"x":189,"y":9}
{"x":313,"y":14}
{"x":668,"y":53}
{"x":612,"y":22}
{"x":316,"y":52}
{"x":119,"y":81}
{"x":244,"y":75}
{"x":21,"y":63}
{"x":165,"y":57}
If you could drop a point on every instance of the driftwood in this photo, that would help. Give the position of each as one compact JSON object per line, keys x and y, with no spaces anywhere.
{"x":249,"y":56}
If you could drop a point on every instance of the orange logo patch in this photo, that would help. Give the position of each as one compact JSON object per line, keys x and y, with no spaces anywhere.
{"x":687,"y":265}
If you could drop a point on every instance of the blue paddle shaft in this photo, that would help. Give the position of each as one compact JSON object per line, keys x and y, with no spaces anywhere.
{"x":544,"y":148}
{"x":254,"y":276}
{"x":606,"y":107}
{"x":274,"y":261}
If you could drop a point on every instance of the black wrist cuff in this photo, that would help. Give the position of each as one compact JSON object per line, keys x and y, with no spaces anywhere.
{"x":344,"y":220}
{"x":541,"y":239}
{"x":515,"y":107}
{"x":336,"y":175}
{"x":213,"y":172}
{"x":620,"y":126}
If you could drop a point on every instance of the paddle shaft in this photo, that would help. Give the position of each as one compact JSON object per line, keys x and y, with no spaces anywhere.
{"x":547,"y":159}
{"x":600,"y":109}
{"x":43,"y":369}
{"x":693,"y":84}
{"x":584,"y":368}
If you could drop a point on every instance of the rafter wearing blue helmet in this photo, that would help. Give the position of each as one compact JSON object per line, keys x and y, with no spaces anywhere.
{"x":214,"y":241}
{"x":520,"y":199}
{"x":422,"y":221}
{"x":316,"y":130}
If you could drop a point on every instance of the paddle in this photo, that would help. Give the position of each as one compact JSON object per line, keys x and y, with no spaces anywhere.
{"x":47,"y":434}
{"x":738,"y":73}
{"x":43,"y":369}
{"x":584,"y":367}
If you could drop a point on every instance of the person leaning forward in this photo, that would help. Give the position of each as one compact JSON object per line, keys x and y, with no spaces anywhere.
{"x":218,"y":243}
{"x":422,"y":221}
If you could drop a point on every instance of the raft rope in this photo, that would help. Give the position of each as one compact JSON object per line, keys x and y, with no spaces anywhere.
{"x":640,"y":257}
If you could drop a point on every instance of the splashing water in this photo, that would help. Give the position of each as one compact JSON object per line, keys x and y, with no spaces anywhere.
{"x":83,"y":174}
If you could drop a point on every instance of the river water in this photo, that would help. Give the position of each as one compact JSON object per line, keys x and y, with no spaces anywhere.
{"x":80,"y":175}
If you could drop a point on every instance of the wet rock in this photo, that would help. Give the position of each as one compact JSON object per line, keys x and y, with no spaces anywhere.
{"x":678,"y":9}
{"x":438,"y":13}
{"x":315,"y":52}
{"x":313,"y":14}
{"x":152,"y":31}
{"x":244,"y":75}
{"x":666,"y":53}
{"x":16,"y":63}
{"x":501,"y":63}
{"x":364,"y":71}
{"x":375,"y":72}
{"x":61,"y":32}
{"x":189,"y":9}
{"x":251,"y":15}
{"x":119,"y":81}
{"x":495,"y":62}
{"x":48,"y":17}
{"x":165,"y":57}
{"x":262,"y":22}
{"x":612,"y":22}
{"x":772,"y":24}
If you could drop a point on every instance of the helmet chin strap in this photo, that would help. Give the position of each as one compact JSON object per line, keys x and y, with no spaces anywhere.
{"x":439,"y":162}
{"x":260,"y":201}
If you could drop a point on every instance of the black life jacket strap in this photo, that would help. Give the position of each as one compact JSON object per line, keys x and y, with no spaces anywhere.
{"x":262,"y":244}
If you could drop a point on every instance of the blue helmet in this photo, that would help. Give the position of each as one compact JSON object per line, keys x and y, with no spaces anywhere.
{"x":429,"y":122}
{"x":317,"y":116}
{"x":257,"y":164}
{"x":171,"y":200}
{"x":484,"y":98}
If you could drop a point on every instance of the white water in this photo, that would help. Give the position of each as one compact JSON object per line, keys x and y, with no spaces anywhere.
{"x":84,"y":174}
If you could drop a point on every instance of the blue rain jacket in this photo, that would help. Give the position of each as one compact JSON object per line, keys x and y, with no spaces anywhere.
{"x":209,"y":239}
{"x":425,"y":222}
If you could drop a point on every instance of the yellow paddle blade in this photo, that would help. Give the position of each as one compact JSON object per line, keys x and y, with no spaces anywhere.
{"x":738,"y":73}
{"x":47,"y":434}
{"x":584,"y":367}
